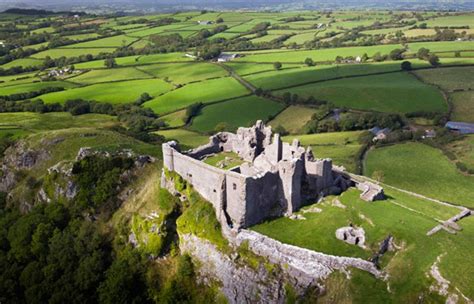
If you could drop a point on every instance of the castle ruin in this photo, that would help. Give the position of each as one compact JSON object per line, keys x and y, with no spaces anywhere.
{"x":274,"y":179}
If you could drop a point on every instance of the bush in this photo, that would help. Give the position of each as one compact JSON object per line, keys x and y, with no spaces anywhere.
{"x":406,"y":66}
{"x":277,"y":65}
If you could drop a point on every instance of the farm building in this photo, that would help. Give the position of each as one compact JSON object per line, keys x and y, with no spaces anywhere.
{"x":461,"y":127}
{"x":380,"y":134}
{"x":204,"y":22}
{"x":227,"y":57}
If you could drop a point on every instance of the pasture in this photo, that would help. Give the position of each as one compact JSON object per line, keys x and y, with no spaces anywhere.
{"x":449,"y":79}
{"x":230,"y":113}
{"x":186,"y":138}
{"x":205,"y":91}
{"x":463,"y":106}
{"x":76,"y":52}
{"x":293,"y":118}
{"x":433,"y":175}
{"x":23,"y":62}
{"x":119,"y":92}
{"x":463,"y":149}
{"x":109,"y":42}
{"x":395,"y":92}
{"x":181,"y":73}
{"x":35,"y":86}
{"x":109,"y":75}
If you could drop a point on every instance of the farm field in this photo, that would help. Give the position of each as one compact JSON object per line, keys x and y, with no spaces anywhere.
{"x":341,"y":147}
{"x":293,"y":118}
{"x":432,"y":175}
{"x":395,"y":92}
{"x":192,"y":93}
{"x":463,"y":106}
{"x":230,"y":113}
{"x":463,"y":149}
{"x":184,"y":72}
{"x":109,"y":75}
{"x":112,"y":42}
{"x":449,"y":79}
{"x":57,"y":53}
{"x":35,"y":86}
{"x":24,"y":62}
{"x":120,"y":92}
{"x":185,"y":137}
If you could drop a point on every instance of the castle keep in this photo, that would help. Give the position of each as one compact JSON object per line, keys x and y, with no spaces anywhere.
{"x":274,"y":179}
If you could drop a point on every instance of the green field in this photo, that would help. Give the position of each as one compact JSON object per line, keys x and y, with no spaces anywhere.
{"x":293,"y":118}
{"x":463,"y":106}
{"x":57,"y":53}
{"x":187,"y":138}
{"x":109,"y":75}
{"x":24,"y":62}
{"x":341,"y":147}
{"x":449,"y":79}
{"x":423,"y":169}
{"x":252,"y":68}
{"x":230,"y":113}
{"x":292,"y":77}
{"x":463,"y":20}
{"x":119,"y":92}
{"x":175,"y":119}
{"x":181,"y":73}
{"x":35,"y":86}
{"x":404,"y":217}
{"x":204,"y":91}
{"x":112,"y":42}
{"x":464,"y":150}
{"x":395,"y":92}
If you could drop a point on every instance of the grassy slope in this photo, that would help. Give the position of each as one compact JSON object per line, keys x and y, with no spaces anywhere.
{"x":235,"y":113}
{"x":464,"y":150}
{"x":396,"y":92}
{"x":107,"y":75}
{"x":342,"y":147}
{"x":205,"y":92}
{"x":34,"y":86}
{"x":119,"y":92}
{"x":449,"y":79}
{"x":382,"y":218}
{"x":185,"y":72}
{"x":293,"y":118}
{"x":463,"y":106}
{"x":185,"y":137}
{"x":423,"y":169}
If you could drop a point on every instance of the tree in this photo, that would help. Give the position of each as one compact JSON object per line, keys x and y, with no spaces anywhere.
{"x":221,"y":127}
{"x":110,"y":63}
{"x":281,"y":130}
{"x":309,"y":62}
{"x":379,"y":57}
{"x":396,"y":54}
{"x":457,"y":54}
{"x":378,"y":176}
{"x":423,"y":53}
{"x":434,"y":60}
{"x":219,"y":20}
{"x":277,"y":65}
{"x":364,"y":57}
{"x":406,"y":66}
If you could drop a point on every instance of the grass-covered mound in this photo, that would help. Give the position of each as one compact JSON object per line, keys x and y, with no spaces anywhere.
{"x":422,"y":169}
{"x":235,"y":113}
{"x":405,"y":217}
{"x":396,"y":92}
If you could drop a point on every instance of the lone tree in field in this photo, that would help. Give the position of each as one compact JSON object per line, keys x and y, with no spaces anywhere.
{"x":434,"y":60}
{"x":277,"y":65}
{"x":406,"y":66}
{"x":378,"y":176}
{"x":423,"y":53}
{"x":110,"y":63}
{"x":309,"y":62}
{"x":396,"y":54}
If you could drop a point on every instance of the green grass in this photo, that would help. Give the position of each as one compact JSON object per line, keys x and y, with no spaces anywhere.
{"x":57,"y":53}
{"x":232,"y":113}
{"x":224,"y":160}
{"x":291,"y":77}
{"x":449,"y":79}
{"x":252,"y":68}
{"x":408,"y":227}
{"x":463,"y":106}
{"x":23,"y":62}
{"x":341,"y":147}
{"x":185,"y":72}
{"x":293,"y":118}
{"x":395,"y":92}
{"x":423,"y":169}
{"x":302,"y":38}
{"x":462,"y":20}
{"x":175,"y":119}
{"x":464,"y":150}
{"x":442,"y":46}
{"x":34,"y":86}
{"x":118,"y":92}
{"x":107,"y":75}
{"x":113,"y":42}
{"x":205,"y":92}
{"x":184,"y":137}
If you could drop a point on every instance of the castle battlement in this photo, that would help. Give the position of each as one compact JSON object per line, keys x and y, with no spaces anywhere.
{"x":274,"y":179}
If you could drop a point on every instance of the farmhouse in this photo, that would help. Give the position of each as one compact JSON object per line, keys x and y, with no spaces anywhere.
{"x":461,"y":127}
{"x":204,"y":22}
{"x":380,"y":134}
{"x":227,"y":57}
{"x":274,"y":178}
